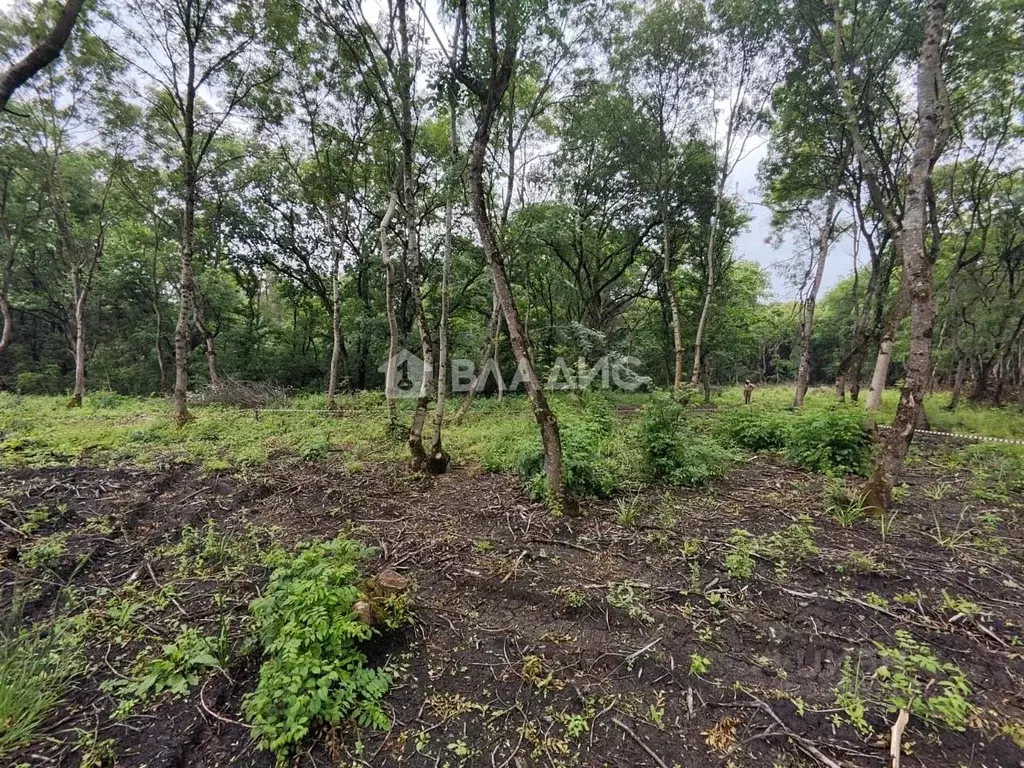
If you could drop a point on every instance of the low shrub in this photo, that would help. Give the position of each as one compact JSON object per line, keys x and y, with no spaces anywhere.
{"x":315,"y":671}
{"x":674,"y":452}
{"x":586,"y":466}
{"x":910,"y":677}
{"x":832,"y":442}
{"x":47,"y":381}
{"x":177,"y":669}
{"x":758,"y":430}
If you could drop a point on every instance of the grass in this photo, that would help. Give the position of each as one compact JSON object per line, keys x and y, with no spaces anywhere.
{"x":38,"y":431}
{"x":34,"y":679}
{"x":988,"y":421}
{"x":41,"y":432}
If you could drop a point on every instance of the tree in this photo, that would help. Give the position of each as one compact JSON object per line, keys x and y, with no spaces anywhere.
{"x":917,"y":266}
{"x":489,"y":91}
{"x":69,"y":116}
{"x":747,"y":58}
{"x":663,"y":59}
{"x":180,"y":51}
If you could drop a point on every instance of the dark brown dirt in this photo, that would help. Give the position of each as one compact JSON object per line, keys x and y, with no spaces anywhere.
{"x":515,"y":632}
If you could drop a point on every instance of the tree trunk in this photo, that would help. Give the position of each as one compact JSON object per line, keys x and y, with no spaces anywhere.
{"x":979,"y":393}
{"x":419,"y":454}
{"x":413,"y":261}
{"x":880,"y":375}
{"x":332,"y":376}
{"x":698,"y":342}
{"x":79,"y":391}
{"x":673,"y":303}
{"x":855,"y":368}
{"x":884,"y":358}
{"x":187,"y":288}
{"x":917,"y":267}
{"x":211,"y":353}
{"x":958,"y":381}
{"x":485,"y":361}
{"x":391,"y":372}
{"x":181,"y":330}
{"x":803,"y":375}
{"x":499,"y":380}
{"x":490,"y":95}
{"x":438,"y":457}
{"x":162,"y":371}
{"x":849,"y":372}
{"x":1020,"y":377}
{"x":7,"y":333}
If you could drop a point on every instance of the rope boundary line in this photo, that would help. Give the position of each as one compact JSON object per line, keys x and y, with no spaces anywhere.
{"x":935,"y":433}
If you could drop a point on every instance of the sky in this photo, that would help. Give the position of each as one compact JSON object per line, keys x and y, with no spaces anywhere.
{"x":752,"y":244}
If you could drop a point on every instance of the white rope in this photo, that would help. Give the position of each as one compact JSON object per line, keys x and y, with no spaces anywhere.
{"x":962,"y":436}
{"x":954,"y":435}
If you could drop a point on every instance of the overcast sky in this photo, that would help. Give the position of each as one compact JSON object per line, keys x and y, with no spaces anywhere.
{"x":752,"y":244}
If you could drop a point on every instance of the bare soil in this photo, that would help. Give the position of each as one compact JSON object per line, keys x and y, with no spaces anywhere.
{"x":514,"y":630}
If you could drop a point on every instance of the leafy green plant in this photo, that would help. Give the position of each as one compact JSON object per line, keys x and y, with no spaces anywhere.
{"x":674,"y":453}
{"x":574,"y":598}
{"x":793,"y":544}
{"x":586,"y":472}
{"x":314,"y":671}
{"x":627,"y":511}
{"x":832,"y":442}
{"x":699,"y":665}
{"x":952,"y":604}
{"x":40,"y":516}
{"x":739,"y":563}
{"x":95,"y":752}
{"x":850,"y":698}
{"x":937,"y":492}
{"x":910,"y":678}
{"x":629,"y":598}
{"x":860,"y":562}
{"x":177,"y":669}
{"x":844,"y":504}
{"x":915,"y":680}
{"x":758,"y":430}
{"x":46,"y":552}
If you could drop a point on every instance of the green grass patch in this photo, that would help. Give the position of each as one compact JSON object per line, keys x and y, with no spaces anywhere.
{"x":35,"y":677}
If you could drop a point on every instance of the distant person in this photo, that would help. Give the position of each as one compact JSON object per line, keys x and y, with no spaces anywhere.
{"x":748,"y":390}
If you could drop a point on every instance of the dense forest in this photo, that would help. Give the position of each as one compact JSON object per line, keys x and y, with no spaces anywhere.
{"x":288,"y":192}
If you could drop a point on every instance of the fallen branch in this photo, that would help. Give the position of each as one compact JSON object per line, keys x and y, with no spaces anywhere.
{"x":803,"y":743}
{"x":897,"y":737}
{"x":515,"y":566}
{"x":641,"y":742}
{"x":569,"y":544}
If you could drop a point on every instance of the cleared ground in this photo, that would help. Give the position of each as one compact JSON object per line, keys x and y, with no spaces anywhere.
{"x":641,"y":630}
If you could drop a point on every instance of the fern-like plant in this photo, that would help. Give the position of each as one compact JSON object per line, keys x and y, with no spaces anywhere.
{"x":314,"y":670}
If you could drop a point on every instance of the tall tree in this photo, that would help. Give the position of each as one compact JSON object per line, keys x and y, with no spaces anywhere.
{"x":489,"y":90}
{"x":932,"y":103}
{"x":664,"y":58}
{"x":180,"y":52}
{"x":746,"y":63}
